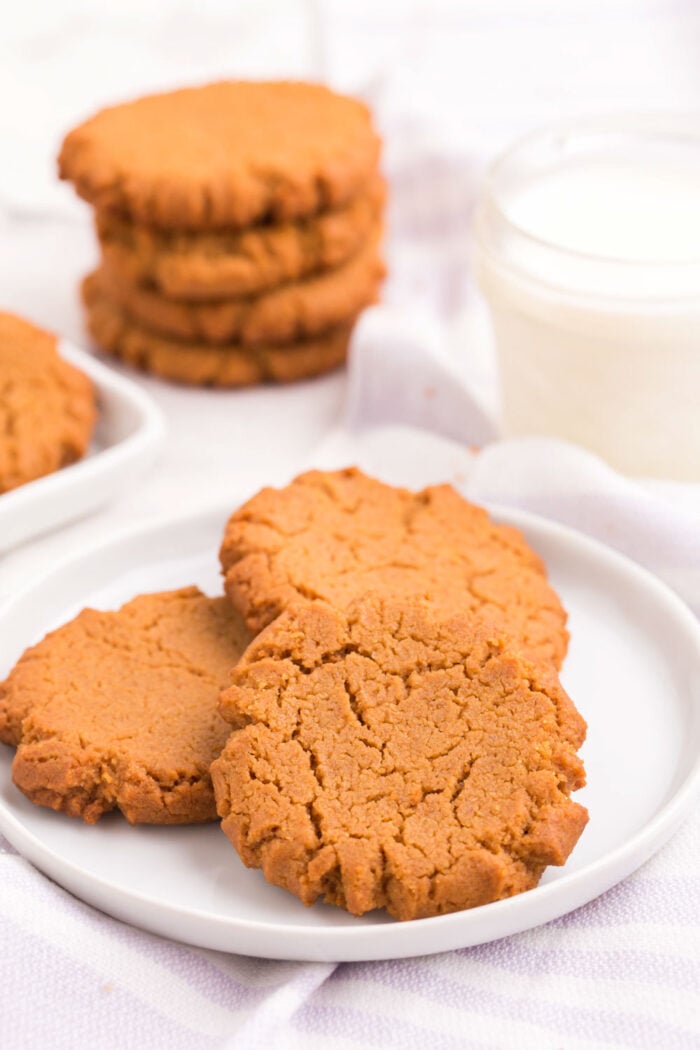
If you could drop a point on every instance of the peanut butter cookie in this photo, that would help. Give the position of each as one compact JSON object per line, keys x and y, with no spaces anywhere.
{"x":224,"y":155}
{"x":284,"y":315}
{"x":382,"y":758}
{"x":47,"y":407}
{"x":232,"y":263}
{"x":119,"y":709}
{"x":201,"y":364}
{"x":339,"y":535}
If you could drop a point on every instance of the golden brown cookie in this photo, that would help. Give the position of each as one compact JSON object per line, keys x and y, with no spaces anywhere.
{"x":382,"y":758}
{"x":201,"y":364}
{"x":225,"y":155}
{"x":339,"y":535}
{"x":229,"y":263}
{"x":119,"y":709}
{"x":284,"y":315}
{"x":47,"y":407}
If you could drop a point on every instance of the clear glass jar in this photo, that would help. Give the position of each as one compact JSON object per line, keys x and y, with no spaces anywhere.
{"x":588,"y":255}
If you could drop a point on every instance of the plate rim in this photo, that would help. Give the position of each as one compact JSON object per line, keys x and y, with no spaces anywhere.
{"x":584,"y":884}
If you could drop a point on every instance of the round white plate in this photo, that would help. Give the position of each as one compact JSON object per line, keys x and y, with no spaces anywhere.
{"x":633,"y":670}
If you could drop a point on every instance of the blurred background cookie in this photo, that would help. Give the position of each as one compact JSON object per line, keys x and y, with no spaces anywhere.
{"x":47,"y":406}
{"x":212,"y":264}
{"x":233,"y":215}
{"x":339,"y":535}
{"x":281,"y":315}
{"x":196,"y":363}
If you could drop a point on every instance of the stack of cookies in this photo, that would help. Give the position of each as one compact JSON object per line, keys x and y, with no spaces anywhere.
{"x":373,"y":710}
{"x":240,"y":228}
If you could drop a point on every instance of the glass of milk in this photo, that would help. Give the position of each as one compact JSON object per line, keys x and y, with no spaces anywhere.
{"x":588,"y":254}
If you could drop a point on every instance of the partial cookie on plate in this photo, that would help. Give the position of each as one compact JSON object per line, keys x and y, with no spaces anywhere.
{"x":47,"y":406}
{"x":339,"y":535}
{"x":120,"y":709}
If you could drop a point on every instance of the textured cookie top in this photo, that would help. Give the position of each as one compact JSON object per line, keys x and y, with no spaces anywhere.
{"x":384,"y":759}
{"x":119,"y":709}
{"x":47,"y":407}
{"x":340,"y":535}
{"x":227,"y":154}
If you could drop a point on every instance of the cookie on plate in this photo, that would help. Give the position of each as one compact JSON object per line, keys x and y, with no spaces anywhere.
{"x":201,"y":364}
{"x":287,"y":314}
{"x":47,"y":406}
{"x":223,"y":264}
{"x":339,"y":535}
{"x":120,"y":709}
{"x":224,"y":155}
{"x":384,"y":758}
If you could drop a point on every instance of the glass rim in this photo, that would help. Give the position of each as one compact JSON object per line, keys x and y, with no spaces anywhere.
{"x":660,"y":125}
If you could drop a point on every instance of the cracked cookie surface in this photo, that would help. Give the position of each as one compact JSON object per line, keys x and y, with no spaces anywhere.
{"x":119,"y":709}
{"x":224,"y":155}
{"x":201,"y":364}
{"x":47,"y":406}
{"x":291,"y":313}
{"x":340,"y":535}
{"x":383,"y":758}
{"x":232,"y":263}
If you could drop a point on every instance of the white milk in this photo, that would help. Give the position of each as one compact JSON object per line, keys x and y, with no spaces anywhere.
{"x":589,"y":257}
